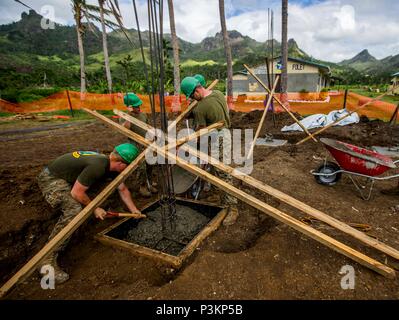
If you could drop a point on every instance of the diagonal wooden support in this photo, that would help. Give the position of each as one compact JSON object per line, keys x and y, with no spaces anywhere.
{"x":257,"y":204}
{"x":54,"y":243}
{"x":279,"y":102}
{"x":343,"y":117}
{"x":269,"y":100}
{"x":339,"y":225}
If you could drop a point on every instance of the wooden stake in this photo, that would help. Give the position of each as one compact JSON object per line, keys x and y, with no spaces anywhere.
{"x":279,"y":102}
{"x":70,"y":103}
{"x":342,"y":118}
{"x":345,"y":97}
{"x":394,"y":117}
{"x":252,"y":201}
{"x":251,"y":149}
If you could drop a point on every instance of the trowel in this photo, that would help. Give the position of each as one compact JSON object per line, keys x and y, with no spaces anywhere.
{"x":269,"y":141}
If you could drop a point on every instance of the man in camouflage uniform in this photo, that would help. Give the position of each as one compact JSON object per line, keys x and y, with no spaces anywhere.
{"x":64,"y":183}
{"x":212,"y":108}
{"x":144,"y":171}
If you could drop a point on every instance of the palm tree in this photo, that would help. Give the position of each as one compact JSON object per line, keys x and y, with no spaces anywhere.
{"x":82,"y":10}
{"x":176,"y":60}
{"x":78,"y":8}
{"x":105,"y":46}
{"x":284,"y":52}
{"x":227,"y":50}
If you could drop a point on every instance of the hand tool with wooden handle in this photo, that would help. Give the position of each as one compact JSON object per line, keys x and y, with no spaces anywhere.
{"x":124,"y":215}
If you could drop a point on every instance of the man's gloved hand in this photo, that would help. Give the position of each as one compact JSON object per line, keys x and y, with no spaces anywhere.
{"x":100,"y":213}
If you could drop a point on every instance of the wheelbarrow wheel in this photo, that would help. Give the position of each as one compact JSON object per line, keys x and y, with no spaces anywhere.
{"x":328,"y":168}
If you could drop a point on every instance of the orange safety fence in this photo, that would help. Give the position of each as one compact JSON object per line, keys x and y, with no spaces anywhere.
{"x":94,"y":101}
{"x":303,"y":103}
{"x":335,"y":101}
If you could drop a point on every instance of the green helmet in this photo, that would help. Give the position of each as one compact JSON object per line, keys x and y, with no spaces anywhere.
{"x":188,"y":85}
{"x":131,"y":99}
{"x":127,"y":151}
{"x":201,"y":79}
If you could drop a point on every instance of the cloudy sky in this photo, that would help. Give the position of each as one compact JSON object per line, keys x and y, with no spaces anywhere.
{"x":330,"y":30}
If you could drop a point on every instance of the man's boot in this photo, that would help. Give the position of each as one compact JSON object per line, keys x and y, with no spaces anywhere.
{"x":231,"y":217}
{"x":144,"y":192}
{"x":60,"y":276}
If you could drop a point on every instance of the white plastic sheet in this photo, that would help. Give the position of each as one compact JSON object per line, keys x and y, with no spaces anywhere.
{"x":322,"y":120}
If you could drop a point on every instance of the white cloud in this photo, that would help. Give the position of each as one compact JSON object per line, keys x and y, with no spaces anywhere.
{"x":329,"y":30}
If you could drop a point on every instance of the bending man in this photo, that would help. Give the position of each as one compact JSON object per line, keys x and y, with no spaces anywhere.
{"x":65,"y":181}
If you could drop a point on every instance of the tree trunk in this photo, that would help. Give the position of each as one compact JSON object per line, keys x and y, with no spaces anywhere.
{"x":78,"y":20}
{"x":227,"y":50}
{"x":284,"y":52}
{"x":176,"y":60}
{"x":105,"y":46}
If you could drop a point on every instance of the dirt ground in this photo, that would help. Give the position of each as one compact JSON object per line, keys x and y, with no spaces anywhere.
{"x":256,"y":258}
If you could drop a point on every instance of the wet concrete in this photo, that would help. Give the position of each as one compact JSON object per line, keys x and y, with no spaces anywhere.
{"x":148,"y":232}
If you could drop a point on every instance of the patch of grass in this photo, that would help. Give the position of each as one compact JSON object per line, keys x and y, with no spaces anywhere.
{"x":192,"y":63}
{"x":6,"y":114}
{"x":387,"y":98}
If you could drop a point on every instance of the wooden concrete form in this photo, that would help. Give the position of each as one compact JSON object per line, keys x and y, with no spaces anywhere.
{"x":261,"y":206}
{"x":168,"y":259}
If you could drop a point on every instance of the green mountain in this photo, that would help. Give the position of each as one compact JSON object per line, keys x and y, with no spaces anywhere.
{"x":366,"y":63}
{"x":31,"y":56}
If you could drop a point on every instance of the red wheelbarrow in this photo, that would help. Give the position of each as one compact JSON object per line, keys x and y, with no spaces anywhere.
{"x":356,"y":162}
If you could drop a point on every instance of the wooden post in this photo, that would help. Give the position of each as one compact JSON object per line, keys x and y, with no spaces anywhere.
{"x":70,"y":103}
{"x":342,"y":118}
{"x":279,"y":102}
{"x":257,"y":204}
{"x":339,"y":225}
{"x":394,"y":117}
{"x":345,"y":97}
{"x":251,"y":150}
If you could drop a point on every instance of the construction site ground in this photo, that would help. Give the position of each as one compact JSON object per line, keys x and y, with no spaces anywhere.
{"x":256,"y":258}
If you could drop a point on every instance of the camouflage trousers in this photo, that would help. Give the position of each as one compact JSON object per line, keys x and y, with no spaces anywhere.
{"x":221,"y":145}
{"x":57,"y":193}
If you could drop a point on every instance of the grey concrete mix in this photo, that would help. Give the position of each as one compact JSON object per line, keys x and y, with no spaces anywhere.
{"x":148,"y":232}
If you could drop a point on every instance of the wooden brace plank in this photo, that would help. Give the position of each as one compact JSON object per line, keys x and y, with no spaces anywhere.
{"x":269,"y":100}
{"x":339,"y":225}
{"x":53,"y":244}
{"x":252,"y":201}
{"x":279,"y":102}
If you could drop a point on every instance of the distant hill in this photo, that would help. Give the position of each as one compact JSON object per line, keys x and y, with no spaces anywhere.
{"x":30,"y":54}
{"x":365,"y":63}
